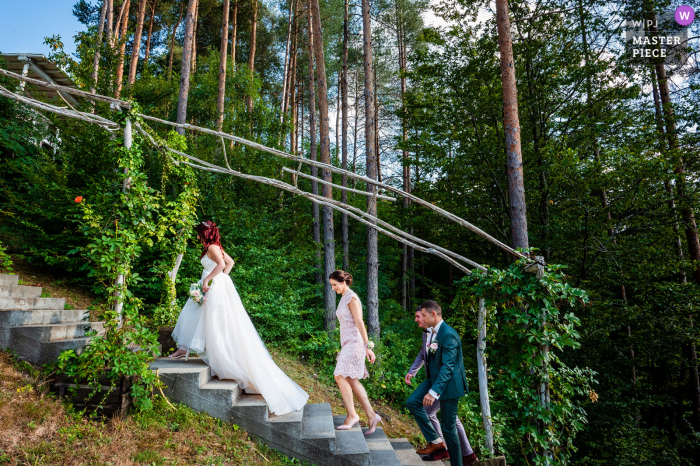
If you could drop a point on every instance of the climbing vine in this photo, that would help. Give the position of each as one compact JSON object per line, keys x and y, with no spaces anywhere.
{"x":531,"y":322}
{"x":120,"y":225}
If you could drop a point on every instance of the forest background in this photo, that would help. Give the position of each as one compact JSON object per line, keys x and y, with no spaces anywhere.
{"x":610,"y":177}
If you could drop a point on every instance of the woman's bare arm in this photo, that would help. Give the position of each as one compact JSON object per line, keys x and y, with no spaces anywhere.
{"x":356,"y":310}
{"x":214,"y":253}
{"x":229,"y":263}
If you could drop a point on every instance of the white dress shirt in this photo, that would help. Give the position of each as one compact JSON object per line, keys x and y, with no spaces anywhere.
{"x":433,"y":334}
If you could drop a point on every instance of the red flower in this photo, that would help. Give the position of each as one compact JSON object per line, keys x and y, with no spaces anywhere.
{"x":79,"y":199}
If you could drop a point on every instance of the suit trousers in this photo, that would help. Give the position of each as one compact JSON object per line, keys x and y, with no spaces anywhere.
{"x":448,"y":420}
{"x":431,"y":411}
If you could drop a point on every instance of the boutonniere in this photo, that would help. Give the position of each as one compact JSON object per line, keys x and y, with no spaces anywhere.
{"x":433,"y":347}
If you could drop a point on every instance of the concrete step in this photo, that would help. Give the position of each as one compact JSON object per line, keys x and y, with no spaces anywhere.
{"x":19,"y":291}
{"x":15,"y":318}
{"x":56,"y":332}
{"x":11,"y":319}
{"x":183,"y":380}
{"x":317,"y":426}
{"x":42,"y":352}
{"x":217,"y":397}
{"x":381,"y":453}
{"x":30,"y":304}
{"x":407,"y":454}
{"x":7,"y":279}
{"x":351,"y":444}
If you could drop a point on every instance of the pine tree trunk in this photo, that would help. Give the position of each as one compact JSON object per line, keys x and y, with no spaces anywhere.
{"x":193,"y":61}
{"x":328,"y":231}
{"x":313,"y":150}
{"x":293,"y":80}
{"x":116,"y":37}
{"x":222,"y":66}
{"x":287,"y":64}
{"x":511,"y":124}
{"x":122,"y":47}
{"x":687,"y":213}
{"x":172,"y":41}
{"x":136,"y":50}
{"x":110,"y":22}
{"x":344,"y":93}
{"x":186,"y":65}
{"x":401,"y":41}
{"x":371,"y":169}
{"x":251,"y":55}
{"x":234,"y":35}
{"x":150,"y":33}
{"x":98,"y":46}
{"x":682,"y":278}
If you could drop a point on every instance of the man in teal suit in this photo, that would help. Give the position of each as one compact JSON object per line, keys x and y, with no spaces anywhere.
{"x":446,"y":380}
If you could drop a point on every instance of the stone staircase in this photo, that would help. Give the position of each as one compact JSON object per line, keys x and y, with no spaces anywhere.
{"x":37,"y":328}
{"x":308,"y":434}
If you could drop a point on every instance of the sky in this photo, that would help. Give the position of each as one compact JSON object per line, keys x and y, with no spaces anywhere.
{"x":25,"y":23}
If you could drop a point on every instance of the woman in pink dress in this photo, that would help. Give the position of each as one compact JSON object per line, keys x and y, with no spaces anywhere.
{"x":355,"y":347}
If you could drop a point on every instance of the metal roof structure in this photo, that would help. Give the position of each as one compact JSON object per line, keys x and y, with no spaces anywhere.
{"x":37,"y":66}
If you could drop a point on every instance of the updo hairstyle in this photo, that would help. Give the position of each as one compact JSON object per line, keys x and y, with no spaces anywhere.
{"x":208,"y":235}
{"x":341,"y":277}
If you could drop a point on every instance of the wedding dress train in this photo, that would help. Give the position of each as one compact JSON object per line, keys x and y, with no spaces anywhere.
{"x":220,"y":331}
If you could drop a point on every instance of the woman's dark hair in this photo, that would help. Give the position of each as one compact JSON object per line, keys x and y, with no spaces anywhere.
{"x":208,"y":235}
{"x":341,"y":276}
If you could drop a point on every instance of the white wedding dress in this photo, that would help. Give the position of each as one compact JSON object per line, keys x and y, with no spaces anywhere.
{"x":220,"y":331}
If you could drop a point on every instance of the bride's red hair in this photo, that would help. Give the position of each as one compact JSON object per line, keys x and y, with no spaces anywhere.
{"x":208,"y":235}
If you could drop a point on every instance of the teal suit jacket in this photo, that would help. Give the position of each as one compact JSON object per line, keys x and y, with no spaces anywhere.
{"x":445,"y":365}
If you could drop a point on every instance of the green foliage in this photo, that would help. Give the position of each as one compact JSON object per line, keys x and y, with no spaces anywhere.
{"x":533,"y":323}
{"x":5,"y":259}
{"x":121,"y":223}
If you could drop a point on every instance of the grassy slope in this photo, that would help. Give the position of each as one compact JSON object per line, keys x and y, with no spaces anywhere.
{"x":35,"y":428}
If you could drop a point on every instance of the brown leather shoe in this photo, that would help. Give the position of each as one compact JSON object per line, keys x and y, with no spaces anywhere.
{"x":437,"y":456}
{"x":467,"y":460}
{"x":432,"y":448}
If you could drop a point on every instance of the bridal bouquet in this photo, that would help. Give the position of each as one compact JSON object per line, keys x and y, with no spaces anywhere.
{"x":196,"y":293}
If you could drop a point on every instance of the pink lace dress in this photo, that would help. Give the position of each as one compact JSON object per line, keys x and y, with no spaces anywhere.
{"x":351,"y":360}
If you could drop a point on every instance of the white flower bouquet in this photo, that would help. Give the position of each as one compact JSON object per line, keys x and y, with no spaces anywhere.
{"x":196,"y":293}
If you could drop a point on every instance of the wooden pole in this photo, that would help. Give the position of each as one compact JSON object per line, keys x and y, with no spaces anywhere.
{"x":483,"y":378}
{"x":119,"y":283}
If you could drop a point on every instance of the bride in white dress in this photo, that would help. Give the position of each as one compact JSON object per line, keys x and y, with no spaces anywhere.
{"x":220,"y":331}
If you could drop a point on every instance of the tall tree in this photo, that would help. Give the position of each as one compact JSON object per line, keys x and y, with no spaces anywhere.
{"x":324,"y":127}
{"x":287,"y":62}
{"x":371,"y":170}
{"x":344,"y":92}
{"x":313,"y":151}
{"x":110,"y":21}
{"x":137,"y":43}
{"x":222,"y":66}
{"x":98,"y":46}
{"x":150,"y":32}
{"x":511,"y":125}
{"x":122,"y":46}
{"x":251,"y":55}
{"x":234,"y":35}
{"x":406,"y":173}
{"x":186,"y":67}
{"x":193,"y":60}
{"x":172,"y":40}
